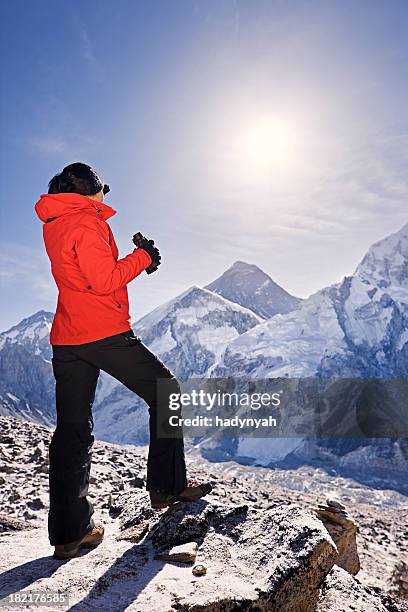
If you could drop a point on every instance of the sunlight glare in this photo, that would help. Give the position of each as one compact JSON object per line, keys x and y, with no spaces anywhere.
{"x":268,"y":144}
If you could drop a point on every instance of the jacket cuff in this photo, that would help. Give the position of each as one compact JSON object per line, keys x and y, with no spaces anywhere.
{"x":145,"y":254}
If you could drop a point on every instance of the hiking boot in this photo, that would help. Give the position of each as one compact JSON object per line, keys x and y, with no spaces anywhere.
{"x":162,"y":499}
{"x":90,"y":539}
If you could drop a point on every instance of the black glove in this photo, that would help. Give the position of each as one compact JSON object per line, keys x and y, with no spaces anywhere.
{"x":148,"y":245}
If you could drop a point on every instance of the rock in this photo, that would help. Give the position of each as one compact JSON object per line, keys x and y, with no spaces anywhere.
{"x":399,"y":580}
{"x":36,"y":504}
{"x":217,"y":548}
{"x":253,"y":558}
{"x":185,"y":553}
{"x":133,"y":507}
{"x":39,"y":453}
{"x":342,"y":592}
{"x":30,"y":515}
{"x":137,"y":482}
{"x":134,"y":533}
{"x":182,"y":523}
{"x":9,"y":523}
{"x":343,"y":530}
{"x":336,"y":503}
{"x":328,"y":508}
{"x":276,"y":559}
{"x":199,"y":570}
{"x":332,"y":515}
{"x":14,"y":496}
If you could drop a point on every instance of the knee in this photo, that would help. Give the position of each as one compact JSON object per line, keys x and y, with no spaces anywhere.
{"x":69,"y":437}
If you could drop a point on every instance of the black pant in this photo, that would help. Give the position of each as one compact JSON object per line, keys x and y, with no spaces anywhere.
{"x":76,"y":370}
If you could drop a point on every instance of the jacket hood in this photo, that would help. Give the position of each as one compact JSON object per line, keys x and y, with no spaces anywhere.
{"x":52,"y":205}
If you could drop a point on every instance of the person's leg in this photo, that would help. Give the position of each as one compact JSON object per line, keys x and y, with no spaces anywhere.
{"x":70,"y":454}
{"x":127,"y":359}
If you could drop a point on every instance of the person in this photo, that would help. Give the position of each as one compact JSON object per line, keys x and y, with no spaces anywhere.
{"x":91,"y":331}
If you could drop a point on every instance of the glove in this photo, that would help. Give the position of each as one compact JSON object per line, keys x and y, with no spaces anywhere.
{"x":142,"y":242}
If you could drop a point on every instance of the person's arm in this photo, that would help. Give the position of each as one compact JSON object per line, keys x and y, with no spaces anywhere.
{"x":103,"y":273}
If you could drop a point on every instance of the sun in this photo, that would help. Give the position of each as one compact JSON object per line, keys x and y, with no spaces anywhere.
{"x":267,"y":143}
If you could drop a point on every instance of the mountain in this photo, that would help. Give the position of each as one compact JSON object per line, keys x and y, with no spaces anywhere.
{"x":27,"y":384}
{"x":249,"y":286}
{"x":191,"y":331}
{"x":189,"y":334}
{"x":32,"y":332}
{"x":120,"y":416}
{"x":355,"y":329}
{"x":385,"y":264}
{"x":358,"y":327}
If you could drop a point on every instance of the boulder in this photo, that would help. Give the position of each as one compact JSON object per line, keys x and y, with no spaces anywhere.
{"x":343,"y":530}
{"x":342,"y":592}
{"x":399,"y":580}
{"x":10,"y":523}
{"x":185,"y":553}
{"x":264,"y":560}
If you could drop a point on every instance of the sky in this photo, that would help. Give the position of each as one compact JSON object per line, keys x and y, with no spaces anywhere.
{"x":273,"y":132}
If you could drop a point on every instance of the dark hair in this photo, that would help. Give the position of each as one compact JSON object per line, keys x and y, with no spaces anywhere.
{"x":76,"y":178}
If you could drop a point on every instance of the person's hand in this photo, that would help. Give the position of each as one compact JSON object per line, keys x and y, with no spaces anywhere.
{"x":142,"y":242}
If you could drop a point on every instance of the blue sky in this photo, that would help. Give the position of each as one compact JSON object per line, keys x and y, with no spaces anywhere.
{"x":273,"y":132}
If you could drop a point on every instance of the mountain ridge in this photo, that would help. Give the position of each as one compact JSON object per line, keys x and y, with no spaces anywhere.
{"x":248,"y":285}
{"x":357,"y":327}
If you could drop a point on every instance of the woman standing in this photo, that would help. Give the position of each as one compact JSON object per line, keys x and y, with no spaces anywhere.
{"x":91,"y":331}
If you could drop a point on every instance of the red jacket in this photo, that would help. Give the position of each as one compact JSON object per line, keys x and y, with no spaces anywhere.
{"x":93,"y":299}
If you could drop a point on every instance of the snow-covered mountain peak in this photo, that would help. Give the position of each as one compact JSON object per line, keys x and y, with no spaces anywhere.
{"x":357,"y":327}
{"x":248,"y":285}
{"x":191,"y":331}
{"x":32,"y":331}
{"x":244,"y":267}
{"x":196,"y":297}
{"x":386,"y":262}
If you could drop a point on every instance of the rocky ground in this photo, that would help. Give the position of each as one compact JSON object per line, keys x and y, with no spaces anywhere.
{"x":264,"y":539}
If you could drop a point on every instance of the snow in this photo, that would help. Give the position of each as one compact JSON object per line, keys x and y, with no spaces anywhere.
{"x":12,"y":397}
{"x":359,"y":311}
{"x":33,"y":331}
{"x":386,"y":261}
{"x":266,"y":450}
{"x":366,"y":319}
{"x":215,"y":339}
{"x":191,"y":305}
{"x":403,"y":340}
{"x":163,"y":344}
{"x":295,"y":341}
